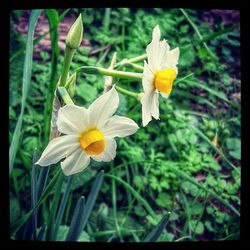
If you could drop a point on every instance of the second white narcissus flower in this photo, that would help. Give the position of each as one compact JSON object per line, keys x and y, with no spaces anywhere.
{"x":158,"y":75}
{"x":88,"y":133}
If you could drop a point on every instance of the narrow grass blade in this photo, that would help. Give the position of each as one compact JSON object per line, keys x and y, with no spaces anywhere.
{"x":38,"y":39}
{"x":53,"y":19}
{"x":83,"y":216}
{"x":92,"y":198}
{"x":214,"y":148}
{"x":44,"y":196}
{"x":34,"y":195}
{"x":218,"y":94}
{"x":198,"y":33}
{"x":26,"y":85}
{"x":193,"y":181}
{"x":187,"y":95}
{"x":134,"y":193}
{"x":42,"y":180}
{"x":55,"y":201}
{"x":41,"y":234}
{"x":62,"y":207}
{"x":155,"y":234}
{"x":220,"y":33}
{"x":106,"y":19}
{"x":73,"y":233}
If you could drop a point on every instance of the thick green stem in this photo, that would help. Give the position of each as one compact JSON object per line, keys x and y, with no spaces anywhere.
{"x":127,"y":92}
{"x":67,"y":60}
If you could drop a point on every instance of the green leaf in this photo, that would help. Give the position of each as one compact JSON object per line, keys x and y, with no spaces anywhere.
{"x":62,"y":206}
{"x":53,"y":19}
{"x":234,"y":145}
{"x":198,"y":228}
{"x":15,"y":226}
{"x":82,"y":211}
{"x":193,"y":181}
{"x":63,"y":230}
{"x":201,"y":134}
{"x":74,"y":229}
{"x":135,"y":193}
{"x":156,"y":232}
{"x":214,"y":92}
{"x":27,"y":70}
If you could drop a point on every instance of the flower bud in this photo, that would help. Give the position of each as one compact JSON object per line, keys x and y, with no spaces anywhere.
{"x":75,"y":34}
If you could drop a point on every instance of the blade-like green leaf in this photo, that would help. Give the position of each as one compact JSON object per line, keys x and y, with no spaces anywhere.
{"x":216,"y":93}
{"x":77,"y":227}
{"x":26,"y":85}
{"x":134,"y":193}
{"x":38,"y":39}
{"x":156,"y":232}
{"x":53,"y":24}
{"x":214,"y":148}
{"x":73,"y":233}
{"x":34,"y":195}
{"x":193,"y":181}
{"x":44,"y":196}
{"x":62,"y":207}
{"x":92,"y":198}
{"x":55,"y":201}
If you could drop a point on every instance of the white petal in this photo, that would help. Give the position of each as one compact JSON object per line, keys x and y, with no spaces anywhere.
{"x":72,"y":119}
{"x":150,"y":106}
{"x":147,"y":78}
{"x":162,"y":51}
{"x":109,"y":152}
{"x":75,"y":162}
{"x":58,"y":149}
{"x":103,"y":107}
{"x":119,"y":126}
{"x":152,"y":49}
{"x":155,"y":106}
{"x":156,"y":50}
{"x":171,"y":59}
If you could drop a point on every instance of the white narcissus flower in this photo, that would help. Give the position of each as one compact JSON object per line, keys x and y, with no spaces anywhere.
{"x":88,"y":133}
{"x":158,"y":75}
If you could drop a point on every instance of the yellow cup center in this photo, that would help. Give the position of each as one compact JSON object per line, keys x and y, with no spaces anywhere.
{"x":164,"y":80}
{"x":92,"y":142}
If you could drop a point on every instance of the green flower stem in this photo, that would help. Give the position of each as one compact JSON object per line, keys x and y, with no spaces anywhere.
{"x":132,"y":60}
{"x":137,"y":66}
{"x":65,"y":95}
{"x":109,"y":72}
{"x":127,"y":92}
{"x":67,"y":60}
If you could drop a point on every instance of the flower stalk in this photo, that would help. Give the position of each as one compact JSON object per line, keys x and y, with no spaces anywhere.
{"x":109,"y":72}
{"x":131,"y":60}
{"x":127,"y":92}
{"x":69,"y":53}
{"x":73,"y":42}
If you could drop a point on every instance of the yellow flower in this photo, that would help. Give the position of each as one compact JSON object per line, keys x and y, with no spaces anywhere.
{"x":158,"y":76}
{"x":88,"y":133}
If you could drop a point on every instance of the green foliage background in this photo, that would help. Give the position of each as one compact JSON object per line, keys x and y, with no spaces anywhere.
{"x":208,"y":100}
